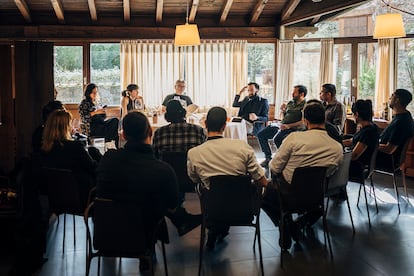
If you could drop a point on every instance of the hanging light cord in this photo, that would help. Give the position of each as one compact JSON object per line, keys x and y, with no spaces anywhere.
{"x":395,"y":8}
{"x":186,"y":14}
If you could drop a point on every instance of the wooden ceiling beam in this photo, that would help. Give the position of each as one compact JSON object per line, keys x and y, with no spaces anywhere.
{"x":92,"y":10}
{"x":289,"y":8}
{"x":257,"y":11}
{"x":127,"y":11}
{"x":315,"y":20}
{"x":159,"y":11}
{"x":24,"y":10}
{"x":225,"y":12}
{"x":307,"y":10}
{"x":193,"y":11}
{"x":57,"y":6}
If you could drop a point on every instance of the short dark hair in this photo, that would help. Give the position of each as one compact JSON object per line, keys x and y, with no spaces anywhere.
{"x":216,"y":118}
{"x":404,"y":96}
{"x":255,"y":85}
{"x":88,"y":91}
{"x":50,"y":107}
{"x":129,"y":88}
{"x":136,"y":126}
{"x":331,"y":88}
{"x":175,"y":112}
{"x":302,"y":89}
{"x":364,"y":109}
{"x":314,"y":113}
{"x":313,"y":101}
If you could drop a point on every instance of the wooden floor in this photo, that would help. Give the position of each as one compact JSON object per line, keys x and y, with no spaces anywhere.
{"x":385,"y":249}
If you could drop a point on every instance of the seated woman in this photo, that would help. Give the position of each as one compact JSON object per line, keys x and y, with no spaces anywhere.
{"x":60,"y":151}
{"x":365,"y":140}
{"x":131,"y":100}
{"x":93,"y":117}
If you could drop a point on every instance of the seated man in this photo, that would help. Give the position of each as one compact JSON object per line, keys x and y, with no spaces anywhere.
{"x":253,"y":108}
{"x":400,"y":129}
{"x":221,"y":156}
{"x":335,"y":112}
{"x":178,"y":95}
{"x":292,"y":121}
{"x":313,"y":147}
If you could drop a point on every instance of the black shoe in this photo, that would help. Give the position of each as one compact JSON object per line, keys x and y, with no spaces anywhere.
{"x":265,"y":163}
{"x":144,"y":265}
{"x":211,"y":242}
{"x":221,"y":236}
{"x":296,"y":232}
{"x":188,"y":223}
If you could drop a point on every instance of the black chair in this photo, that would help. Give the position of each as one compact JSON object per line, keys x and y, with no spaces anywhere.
{"x":121,"y":229}
{"x":397,"y":163}
{"x":64,"y":196}
{"x":304,"y":194}
{"x":366,"y":173}
{"x":337,"y":183}
{"x":233,"y":201}
{"x":178,"y":161}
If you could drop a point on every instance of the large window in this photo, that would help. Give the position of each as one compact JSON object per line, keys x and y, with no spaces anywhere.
{"x":261,"y":67}
{"x":367,"y":66}
{"x":68,"y":73}
{"x":405,"y":68}
{"x":342,"y":72}
{"x":306,"y":67}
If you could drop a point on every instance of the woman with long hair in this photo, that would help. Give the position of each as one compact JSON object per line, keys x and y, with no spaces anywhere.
{"x":93,"y":117}
{"x":59,"y":150}
{"x":131,"y":100}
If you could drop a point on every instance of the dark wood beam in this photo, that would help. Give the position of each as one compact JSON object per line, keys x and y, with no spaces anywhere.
{"x":24,"y":10}
{"x":315,"y":20}
{"x":57,"y":6}
{"x":193,"y":11}
{"x":92,"y":10}
{"x":127,"y":11}
{"x":225,"y":11}
{"x":289,"y":8}
{"x":58,"y":32}
{"x":257,"y":11}
{"x":160,"y":6}
{"x":307,"y":10}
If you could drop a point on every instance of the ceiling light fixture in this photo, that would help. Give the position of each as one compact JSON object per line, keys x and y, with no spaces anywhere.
{"x":187,"y":34}
{"x":390,"y":25}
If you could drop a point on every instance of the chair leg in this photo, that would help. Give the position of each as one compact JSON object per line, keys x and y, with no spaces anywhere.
{"x":350,"y":215}
{"x":396,"y":192}
{"x":164,"y":257}
{"x":359,"y":193}
{"x":202,"y":241}
{"x":366,"y":203}
{"x":64,"y":234}
{"x":326,"y":233}
{"x":281,"y":234}
{"x":260,"y":244}
{"x":99,"y":265}
{"x":404,"y":182}
{"x":74,"y":230}
{"x":373,"y":191}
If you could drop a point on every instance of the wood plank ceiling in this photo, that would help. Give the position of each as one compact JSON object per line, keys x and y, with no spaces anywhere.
{"x":156,"y":19}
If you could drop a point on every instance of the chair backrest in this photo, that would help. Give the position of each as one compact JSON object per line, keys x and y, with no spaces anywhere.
{"x":340,"y":178}
{"x":306,"y":190}
{"x":403,"y":153}
{"x":63,"y":191}
{"x":232,"y":199}
{"x":120,"y":229}
{"x":178,"y":161}
{"x":372,"y":161}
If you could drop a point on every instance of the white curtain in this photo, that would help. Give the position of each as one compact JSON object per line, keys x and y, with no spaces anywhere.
{"x":385,"y":72}
{"x":326,"y":62}
{"x":213,"y":71}
{"x":284,"y":82}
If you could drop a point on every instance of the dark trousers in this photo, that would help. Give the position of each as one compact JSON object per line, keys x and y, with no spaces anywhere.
{"x":271,"y":132}
{"x":107,"y":129}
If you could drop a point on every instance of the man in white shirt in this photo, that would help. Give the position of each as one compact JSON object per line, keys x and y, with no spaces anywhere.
{"x":221,"y":156}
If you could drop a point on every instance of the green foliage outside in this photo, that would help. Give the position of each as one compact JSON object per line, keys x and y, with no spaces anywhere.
{"x":366,"y":80}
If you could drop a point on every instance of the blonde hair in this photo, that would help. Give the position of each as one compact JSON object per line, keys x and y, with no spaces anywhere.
{"x":57,"y":129}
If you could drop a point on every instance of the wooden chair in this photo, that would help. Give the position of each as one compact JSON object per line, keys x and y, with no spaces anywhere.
{"x":337,"y":183}
{"x":304,"y":194}
{"x":233,"y":201}
{"x":121,"y":229}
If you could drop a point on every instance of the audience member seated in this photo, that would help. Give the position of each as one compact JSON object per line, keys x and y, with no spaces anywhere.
{"x":334,"y":110}
{"x":291,"y":121}
{"x":93,"y":118}
{"x":253,"y":108}
{"x":60,"y":151}
{"x":363,"y":143}
{"x":37,"y":134}
{"x":400,"y":129}
{"x":313,"y":147}
{"x":178,"y":95}
{"x":221,"y":156}
{"x":131,"y":100}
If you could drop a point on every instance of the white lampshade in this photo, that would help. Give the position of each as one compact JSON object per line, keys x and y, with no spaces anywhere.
{"x":186,"y":35}
{"x":389,"y":26}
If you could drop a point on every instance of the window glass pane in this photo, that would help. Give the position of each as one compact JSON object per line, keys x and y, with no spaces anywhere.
{"x":105,"y":71}
{"x":367,"y":64}
{"x":342,"y":73}
{"x":261,"y":67}
{"x":306,"y":67}
{"x":405,"y":77}
{"x":68,"y":73}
